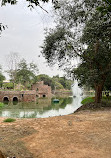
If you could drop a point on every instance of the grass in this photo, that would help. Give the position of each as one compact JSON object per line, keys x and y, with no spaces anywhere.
{"x":106,"y":98}
{"x":91,"y":99}
{"x":9,"y":120}
{"x":87,"y":100}
{"x":1,"y":105}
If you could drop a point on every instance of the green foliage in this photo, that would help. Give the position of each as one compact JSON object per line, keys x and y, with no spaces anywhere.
{"x":87,"y":100}
{"x":58,"y":85}
{"x":105,"y":8}
{"x":55,"y":82}
{"x":9,"y":120}
{"x":26,"y":73}
{"x":91,"y":42}
{"x":54,"y":45}
{"x":106,"y":98}
{"x":1,"y":104}
{"x":8,"y":85}
{"x":35,"y":2}
{"x":91,"y":99}
{"x":31,"y":4}
{"x":42,"y":77}
{"x":107,"y":85}
{"x":66,"y":83}
{"x":96,"y":59}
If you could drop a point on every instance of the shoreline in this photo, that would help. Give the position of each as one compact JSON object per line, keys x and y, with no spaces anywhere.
{"x":81,"y":134}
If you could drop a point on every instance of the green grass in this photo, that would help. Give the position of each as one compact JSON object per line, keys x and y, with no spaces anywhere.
{"x":1,"y":105}
{"x":9,"y":120}
{"x":91,"y":99}
{"x":106,"y":98}
{"x":87,"y":100}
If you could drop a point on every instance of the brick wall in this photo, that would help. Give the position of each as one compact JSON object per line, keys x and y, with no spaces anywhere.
{"x":42,"y":90}
{"x":26,"y":96}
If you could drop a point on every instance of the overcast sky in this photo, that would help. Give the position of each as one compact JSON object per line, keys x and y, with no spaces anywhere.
{"x":25,"y":34}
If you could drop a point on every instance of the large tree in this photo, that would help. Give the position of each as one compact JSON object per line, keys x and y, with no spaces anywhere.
{"x":96,"y":59}
{"x":82,"y":31}
{"x":26,"y":73}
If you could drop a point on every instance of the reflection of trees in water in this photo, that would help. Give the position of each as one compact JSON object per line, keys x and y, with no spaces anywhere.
{"x":62,"y":104}
{"x":65,"y":102}
{"x":30,"y":115}
{"x":32,"y":109}
{"x":44,"y":102}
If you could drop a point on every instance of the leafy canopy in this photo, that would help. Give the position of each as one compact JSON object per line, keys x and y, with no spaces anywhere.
{"x":26,"y":72}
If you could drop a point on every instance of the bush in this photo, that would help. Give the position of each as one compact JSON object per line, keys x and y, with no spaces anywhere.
{"x":9,"y":120}
{"x":106,"y":98}
{"x":87,"y":100}
{"x":8,"y":85}
{"x":1,"y":104}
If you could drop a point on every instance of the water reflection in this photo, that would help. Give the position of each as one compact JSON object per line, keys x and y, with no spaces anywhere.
{"x":42,"y":108}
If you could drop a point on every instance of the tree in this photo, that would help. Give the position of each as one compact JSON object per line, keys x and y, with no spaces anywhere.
{"x":26,"y":73}
{"x":84,"y":32}
{"x":106,"y":8}
{"x":8,"y":85}
{"x":42,"y":77}
{"x":65,"y":83}
{"x":2,"y":77}
{"x":12,"y":61}
{"x":96,"y":59}
{"x":55,"y":81}
{"x":2,"y":27}
{"x":31,"y":5}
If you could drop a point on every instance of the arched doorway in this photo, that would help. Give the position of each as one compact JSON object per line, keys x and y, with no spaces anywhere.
{"x":15,"y":99}
{"x":5,"y":99}
{"x":44,"y":95}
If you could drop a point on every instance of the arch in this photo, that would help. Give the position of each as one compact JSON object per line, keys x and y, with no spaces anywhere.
{"x":44,"y":95}
{"x":15,"y":99}
{"x":5,"y":99}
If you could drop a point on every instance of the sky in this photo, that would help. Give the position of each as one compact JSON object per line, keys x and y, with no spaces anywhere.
{"x":25,"y":34}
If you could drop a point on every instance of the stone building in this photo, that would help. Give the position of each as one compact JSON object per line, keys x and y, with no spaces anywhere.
{"x":25,"y":96}
{"x":41,"y":89}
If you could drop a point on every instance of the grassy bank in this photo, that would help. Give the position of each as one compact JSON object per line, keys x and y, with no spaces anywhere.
{"x":87,"y":100}
{"x":89,"y":104}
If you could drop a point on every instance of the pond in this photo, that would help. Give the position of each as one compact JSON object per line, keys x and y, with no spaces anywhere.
{"x":41,"y":109}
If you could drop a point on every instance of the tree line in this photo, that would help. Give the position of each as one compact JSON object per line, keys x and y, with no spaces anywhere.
{"x":83,"y":30}
{"x":23,"y":75}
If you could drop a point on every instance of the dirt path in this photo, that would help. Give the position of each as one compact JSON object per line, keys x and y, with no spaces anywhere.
{"x":81,"y":135}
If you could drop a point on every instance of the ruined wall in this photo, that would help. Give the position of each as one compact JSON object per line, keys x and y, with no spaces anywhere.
{"x":29,"y":96}
{"x":26,"y":96}
{"x":42,"y":90}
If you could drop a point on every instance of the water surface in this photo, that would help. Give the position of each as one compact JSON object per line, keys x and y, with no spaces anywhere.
{"x":41,"y":109}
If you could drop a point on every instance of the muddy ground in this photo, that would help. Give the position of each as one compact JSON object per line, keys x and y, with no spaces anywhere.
{"x":81,"y":135}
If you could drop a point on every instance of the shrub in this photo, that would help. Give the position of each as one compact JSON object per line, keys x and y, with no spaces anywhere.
{"x":9,"y":120}
{"x":87,"y":100}
{"x":1,"y":104}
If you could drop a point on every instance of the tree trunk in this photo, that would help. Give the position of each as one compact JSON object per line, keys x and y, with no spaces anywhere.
{"x":98,"y":93}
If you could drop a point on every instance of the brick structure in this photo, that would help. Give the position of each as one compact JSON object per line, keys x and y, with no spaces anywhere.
{"x":42,"y":90}
{"x":25,"y":96}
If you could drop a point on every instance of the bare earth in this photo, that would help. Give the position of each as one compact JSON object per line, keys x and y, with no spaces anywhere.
{"x":80,"y":135}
